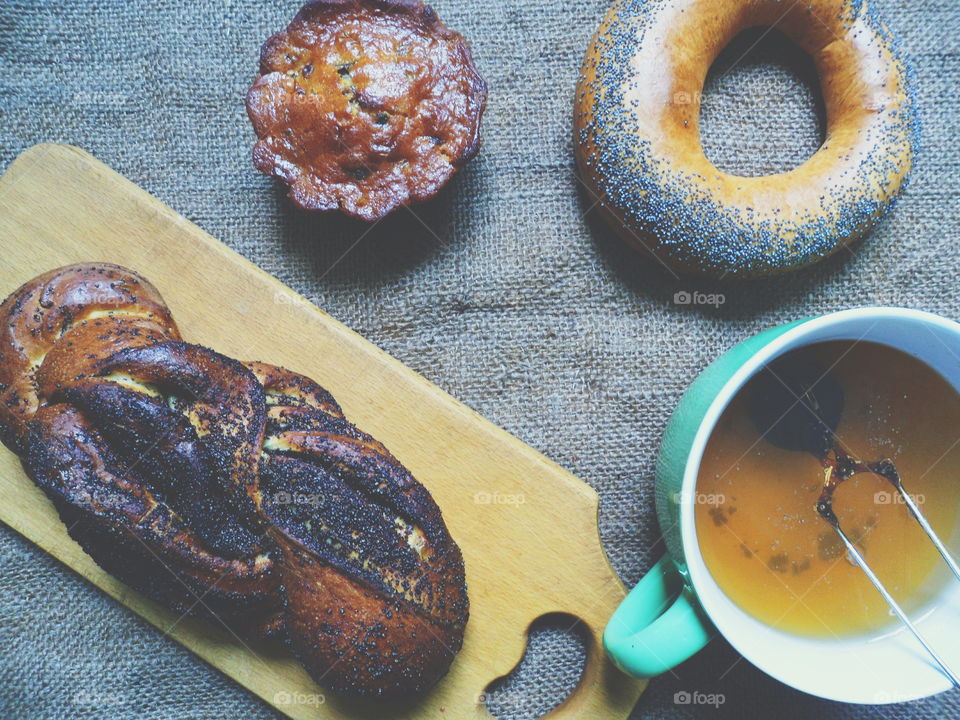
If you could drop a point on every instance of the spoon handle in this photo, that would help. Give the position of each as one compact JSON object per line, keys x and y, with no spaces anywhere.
{"x":858,"y":558}
{"x":918,"y":516}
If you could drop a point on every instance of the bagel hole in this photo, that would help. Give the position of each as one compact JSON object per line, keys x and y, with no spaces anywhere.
{"x":551,"y":669}
{"x":762,"y":109}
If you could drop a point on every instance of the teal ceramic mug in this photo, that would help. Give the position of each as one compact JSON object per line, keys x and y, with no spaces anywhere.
{"x":677,"y":607}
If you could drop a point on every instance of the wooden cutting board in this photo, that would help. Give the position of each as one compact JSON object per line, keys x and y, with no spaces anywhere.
{"x":528,"y":528}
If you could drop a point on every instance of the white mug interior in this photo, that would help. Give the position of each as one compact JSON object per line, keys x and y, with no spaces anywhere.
{"x":892,"y":667}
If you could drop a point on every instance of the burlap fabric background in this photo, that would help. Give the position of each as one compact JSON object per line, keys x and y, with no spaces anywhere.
{"x":500,"y":291}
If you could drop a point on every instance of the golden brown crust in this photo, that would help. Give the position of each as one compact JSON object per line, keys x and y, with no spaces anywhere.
{"x":365,"y":105}
{"x":237,"y":492}
{"x":53,"y":309}
{"x":392,"y":647}
{"x":637,"y":136}
{"x":83,"y":352}
{"x":368,"y":567}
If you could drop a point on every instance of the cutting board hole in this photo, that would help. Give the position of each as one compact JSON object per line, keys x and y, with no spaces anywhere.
{"x":550,"y":670}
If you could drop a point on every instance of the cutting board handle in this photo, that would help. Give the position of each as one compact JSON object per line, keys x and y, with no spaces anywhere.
{"x":527,"y":527}
{"x":602,"y":686}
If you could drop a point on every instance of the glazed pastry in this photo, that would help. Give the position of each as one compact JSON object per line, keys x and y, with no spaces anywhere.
{"x":62,"y":326}
{"x":365,"y":105}
{"x":369,"y":570}
{"x":104,"y":308}
{"x":235,"y":492}
{"x":638,"y":145}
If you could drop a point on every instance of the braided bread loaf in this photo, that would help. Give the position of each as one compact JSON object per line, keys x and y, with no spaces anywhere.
{"x":233,"y":491}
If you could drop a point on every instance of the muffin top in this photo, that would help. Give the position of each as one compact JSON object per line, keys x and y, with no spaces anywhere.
{"x":365,"y":105}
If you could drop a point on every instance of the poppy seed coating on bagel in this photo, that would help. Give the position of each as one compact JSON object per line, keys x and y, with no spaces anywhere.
{"x":638,"y":144}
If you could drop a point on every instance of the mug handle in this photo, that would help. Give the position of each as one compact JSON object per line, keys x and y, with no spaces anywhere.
{"x":658,"y":625}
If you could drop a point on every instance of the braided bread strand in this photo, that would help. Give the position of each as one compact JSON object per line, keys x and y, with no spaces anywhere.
{"x":368,"y":567}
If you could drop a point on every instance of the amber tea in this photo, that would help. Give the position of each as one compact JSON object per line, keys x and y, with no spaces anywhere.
{"x":763,"y":472}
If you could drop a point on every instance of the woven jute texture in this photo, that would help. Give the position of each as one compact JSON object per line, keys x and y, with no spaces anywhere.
{"x":504,"y":291}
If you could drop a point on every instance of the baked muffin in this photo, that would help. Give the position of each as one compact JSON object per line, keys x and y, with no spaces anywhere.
{"x":365,"y":105}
